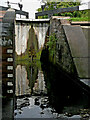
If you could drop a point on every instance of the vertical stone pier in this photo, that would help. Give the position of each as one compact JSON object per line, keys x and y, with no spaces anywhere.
{"x":8,"y":73}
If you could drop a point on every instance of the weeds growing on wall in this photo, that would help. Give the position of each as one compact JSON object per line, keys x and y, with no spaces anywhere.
{"x":52,"y":46}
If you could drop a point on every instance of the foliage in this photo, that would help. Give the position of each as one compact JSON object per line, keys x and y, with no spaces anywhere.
{"x":51,"y":6}
{"x":51,"y":44}
{"x":79,"y":19}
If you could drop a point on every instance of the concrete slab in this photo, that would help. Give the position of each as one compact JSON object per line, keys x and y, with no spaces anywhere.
{"x":76,"y":40}
{"x":86,"y":31}
{"x":82,"y":67}
{"x":86,"y":81}
{"x":33,"y":20}
{"x":59,"y":17}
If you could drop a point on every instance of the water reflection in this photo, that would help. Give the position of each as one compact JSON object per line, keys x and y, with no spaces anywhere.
{"x":22,"y":83}
{"x":33,"y":107}
{"x":39,"y":86}
{"x":31,"y":93}
{"x":29,"y":81}
{"x":46,"y":92}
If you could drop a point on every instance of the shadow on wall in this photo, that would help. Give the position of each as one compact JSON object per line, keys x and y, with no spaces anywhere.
{"x":65,"y":95}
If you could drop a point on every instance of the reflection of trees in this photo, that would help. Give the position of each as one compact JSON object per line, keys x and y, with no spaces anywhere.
{"x":32,"y":72}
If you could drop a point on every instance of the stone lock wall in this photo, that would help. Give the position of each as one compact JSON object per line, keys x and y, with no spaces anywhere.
{"x":71,"y":47}
{"x":63,"y":55}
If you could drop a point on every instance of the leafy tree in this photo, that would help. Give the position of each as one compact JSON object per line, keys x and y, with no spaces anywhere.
{"x":51,"y":6}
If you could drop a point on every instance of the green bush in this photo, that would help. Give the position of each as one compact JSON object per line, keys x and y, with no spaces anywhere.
{"x":50,"y":6}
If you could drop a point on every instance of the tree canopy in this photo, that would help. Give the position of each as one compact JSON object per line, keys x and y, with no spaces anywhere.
{"x":56,"y":5}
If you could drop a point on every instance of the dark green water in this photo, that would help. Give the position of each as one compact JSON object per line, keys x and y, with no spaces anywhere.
{"x":44,"y":91}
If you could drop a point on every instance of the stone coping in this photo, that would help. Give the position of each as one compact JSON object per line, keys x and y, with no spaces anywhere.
{"x":34,"y":20}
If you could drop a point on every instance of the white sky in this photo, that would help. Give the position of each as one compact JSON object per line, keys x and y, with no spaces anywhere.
{"x":28,"y":5}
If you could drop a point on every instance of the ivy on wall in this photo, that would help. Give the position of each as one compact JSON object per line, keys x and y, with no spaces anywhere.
{"x":51,"y":44}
